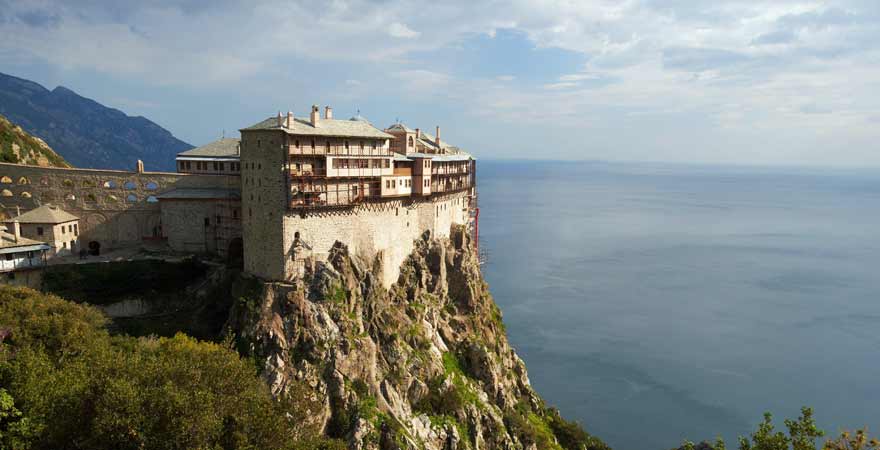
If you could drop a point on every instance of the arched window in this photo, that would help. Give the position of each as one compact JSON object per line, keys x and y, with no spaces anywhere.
{"x":111,"y":184}
{"x":44,"y":181}
{"x":88,"y":183}
{"x":152,"y":199}
{"x":67,"y":183}
{"x":151,"y":186}
{"x":410,"y":141}
{"x":131,"y":198}
{"x":25,"y":195}
{"x":70,"y":198}
{"x":6,"y":180}
{"x":6,"y":193}
{"x":112,"y":199}
{"x":129,"y":185}
{"x":24,"y":180}
{"x":91,"y":198}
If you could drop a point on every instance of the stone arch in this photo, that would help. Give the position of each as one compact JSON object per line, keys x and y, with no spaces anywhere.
{"x":95,"y":223}
{"x":6,"y":193}
{"x":24,"y":180}
{"x":25,"y":194}
{"x":6,"y":180}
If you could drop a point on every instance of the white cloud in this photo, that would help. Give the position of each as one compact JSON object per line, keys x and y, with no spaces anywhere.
{"x":400,"y":30}
{"x":779,"y":67}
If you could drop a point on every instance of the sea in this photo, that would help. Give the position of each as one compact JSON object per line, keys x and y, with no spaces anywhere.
{"x":654,"y":303}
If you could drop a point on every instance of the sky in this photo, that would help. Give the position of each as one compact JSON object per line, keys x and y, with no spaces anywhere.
{"x":755,"y":82}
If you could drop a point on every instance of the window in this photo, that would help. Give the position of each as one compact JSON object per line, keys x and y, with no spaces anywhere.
{"x":393,"y":184}
{"x":387,"y":184}
{"x":235,"y":214}
{"x":207,"y":221}
{"x":76,"y":229}
{"x":9,"y":256}
{"x":152,"y":199}
{"x":30,"y":255}
{"x":217,"y":220}
{"x":296,"y":143}
{"x":129,"y":185}
{"x":258,"y":143}
{"x":313,"y":143}
{"x":216,"y":166}
{"x":410,"y":143}
{"x":346,"y":145}
{"x":39,"y":231}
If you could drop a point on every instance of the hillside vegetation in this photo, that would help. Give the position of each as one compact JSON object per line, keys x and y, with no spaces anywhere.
{"x":19,"y":147}
{"x":66,"y":383}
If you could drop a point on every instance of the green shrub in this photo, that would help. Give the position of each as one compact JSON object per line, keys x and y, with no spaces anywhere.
{"x":79,"y":387}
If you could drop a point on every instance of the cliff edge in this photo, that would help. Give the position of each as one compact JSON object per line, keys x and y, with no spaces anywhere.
{"x":423,"y":365}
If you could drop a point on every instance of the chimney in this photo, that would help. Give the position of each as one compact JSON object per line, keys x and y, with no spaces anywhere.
{"x":437,"y":137}
{"x":16,"y":230}
{"x":289,"y":119}
{"x":418,"y":133}
{"x":328,"y":112}
{"x":140,"y":166}
{"x":279,"y":118}
{"x":315,"y":116}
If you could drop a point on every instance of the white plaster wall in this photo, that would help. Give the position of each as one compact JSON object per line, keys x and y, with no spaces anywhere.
{"x":388,"y":227}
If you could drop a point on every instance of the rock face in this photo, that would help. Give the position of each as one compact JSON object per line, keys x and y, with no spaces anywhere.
{"x":425,"y":364}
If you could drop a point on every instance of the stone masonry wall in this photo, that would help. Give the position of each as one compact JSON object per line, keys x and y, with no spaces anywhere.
{"x":116,"y":208}
{"x":387,"y":229}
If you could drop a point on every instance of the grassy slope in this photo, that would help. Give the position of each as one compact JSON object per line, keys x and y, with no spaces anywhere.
{"x":32,"y":151}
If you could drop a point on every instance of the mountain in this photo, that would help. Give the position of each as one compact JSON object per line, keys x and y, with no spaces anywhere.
{"x":85,"y":132}
{"x":17,"y":146}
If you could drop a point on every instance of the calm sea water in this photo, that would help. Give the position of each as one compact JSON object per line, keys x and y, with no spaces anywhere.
{"x":657,"y":302}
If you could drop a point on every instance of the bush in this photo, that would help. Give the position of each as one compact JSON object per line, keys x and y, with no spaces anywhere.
{"x":79,"y":387}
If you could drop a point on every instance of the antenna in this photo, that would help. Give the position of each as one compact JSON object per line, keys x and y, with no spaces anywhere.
{"x":223,"y":134}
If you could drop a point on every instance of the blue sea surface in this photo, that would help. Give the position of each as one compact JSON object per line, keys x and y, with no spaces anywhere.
{"x":654,"y":302}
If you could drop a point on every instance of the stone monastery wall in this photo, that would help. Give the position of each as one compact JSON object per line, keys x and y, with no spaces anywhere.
{"x":386,"y":229}
{"x":116,"y":208}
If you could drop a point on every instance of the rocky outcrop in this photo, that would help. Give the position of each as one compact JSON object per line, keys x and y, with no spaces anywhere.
{"x":424,"y":364}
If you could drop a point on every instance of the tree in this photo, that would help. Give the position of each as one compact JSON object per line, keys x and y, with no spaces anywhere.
{"x":76,"y":386}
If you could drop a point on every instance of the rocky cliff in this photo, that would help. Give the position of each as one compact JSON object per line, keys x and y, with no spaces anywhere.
{"x":424,"y":364}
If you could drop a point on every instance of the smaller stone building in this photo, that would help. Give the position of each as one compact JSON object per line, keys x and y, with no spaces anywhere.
{"x":52,"y":225}
{"x":220,"y":157}
{"x":20,"y":257}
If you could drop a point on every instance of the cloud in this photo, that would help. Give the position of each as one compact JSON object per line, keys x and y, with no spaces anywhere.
{"x":775,"y":37}
{"x":737,"y":66}
{"x":400,"y":30}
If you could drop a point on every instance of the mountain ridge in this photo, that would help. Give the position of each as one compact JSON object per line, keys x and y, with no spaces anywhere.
{"x":85,"y":132}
